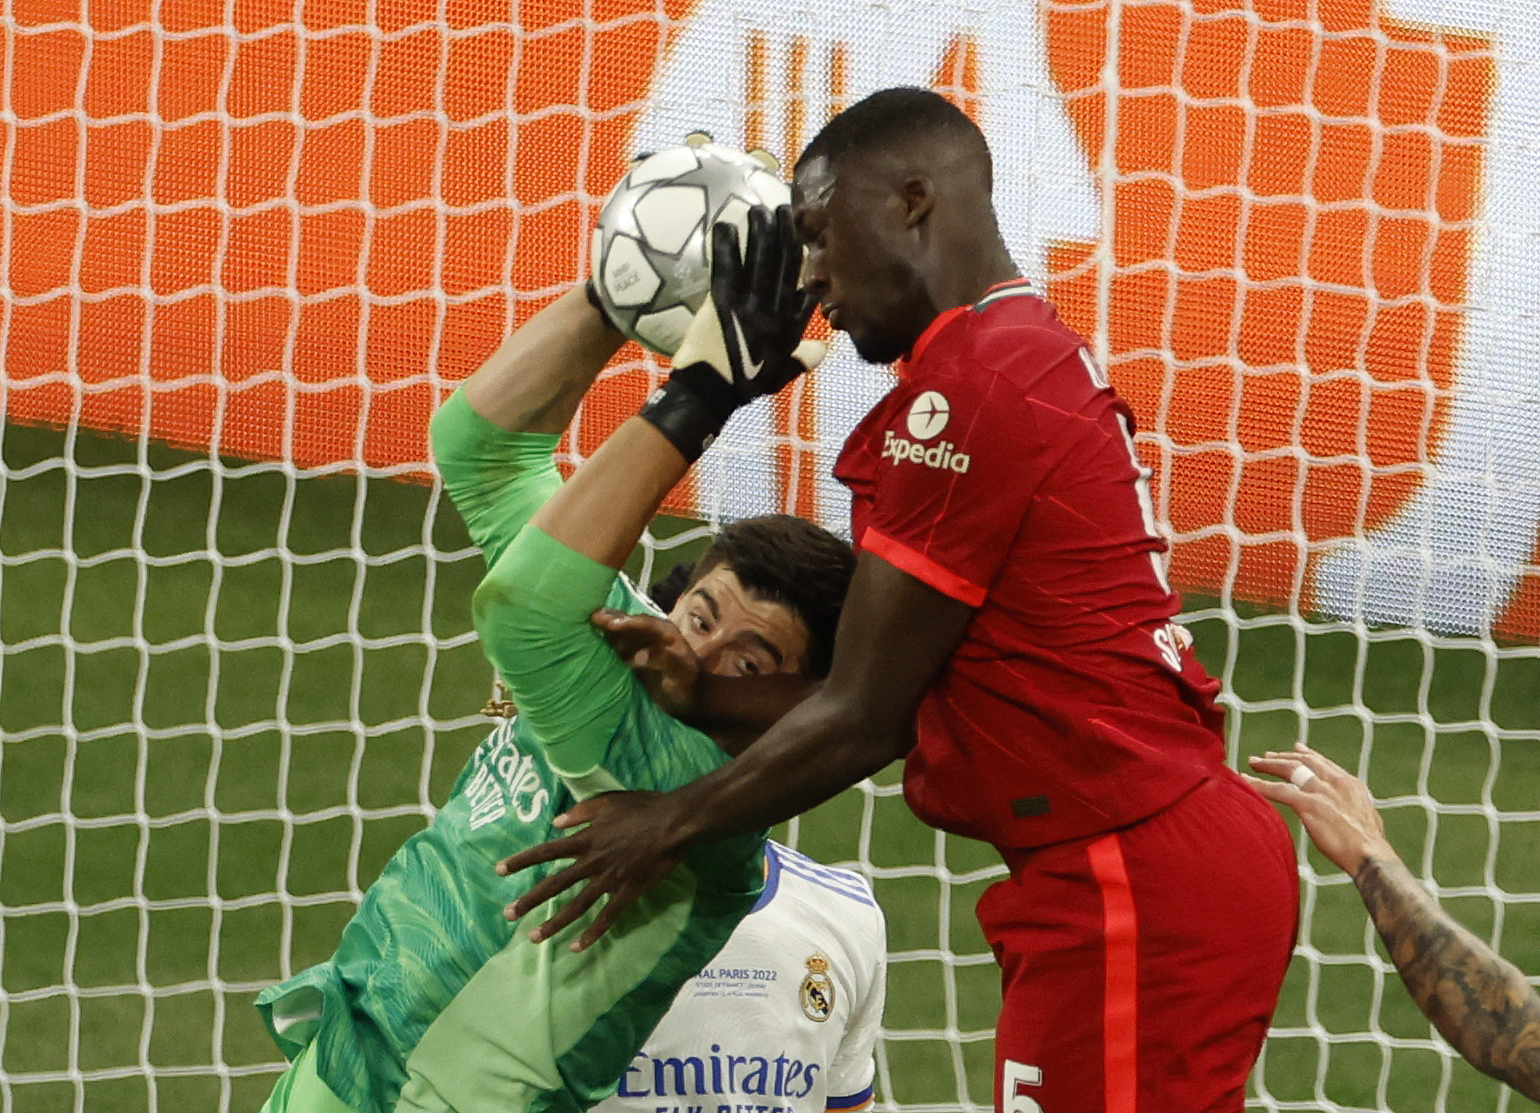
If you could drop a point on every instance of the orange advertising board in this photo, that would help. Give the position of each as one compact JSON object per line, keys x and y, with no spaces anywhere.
{"x":285,"y":240}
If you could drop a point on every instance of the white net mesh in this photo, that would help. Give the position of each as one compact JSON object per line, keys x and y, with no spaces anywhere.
{"x":247,"y":247}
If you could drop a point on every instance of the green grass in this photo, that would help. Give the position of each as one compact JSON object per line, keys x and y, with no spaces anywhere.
{"x":219,"y":685}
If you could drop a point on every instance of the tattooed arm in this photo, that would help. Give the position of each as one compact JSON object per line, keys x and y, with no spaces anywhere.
{"x":1481,"y":1003}
{"x":1478,"y":1000}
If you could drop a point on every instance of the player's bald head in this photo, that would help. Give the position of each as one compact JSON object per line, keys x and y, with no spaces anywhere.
{"x":906,"y":129}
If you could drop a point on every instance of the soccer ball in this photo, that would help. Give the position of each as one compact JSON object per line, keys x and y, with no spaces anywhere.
{"x":649,"y":252}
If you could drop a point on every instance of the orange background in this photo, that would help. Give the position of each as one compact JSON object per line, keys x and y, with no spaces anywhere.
{"x":284,"y":243}
{"x":194,"y":292}
{"x":1318,"y":225}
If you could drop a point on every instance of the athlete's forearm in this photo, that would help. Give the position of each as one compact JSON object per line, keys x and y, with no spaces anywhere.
{"x":536,"y":379}
{"x":1478,"y":1001}
{"x":748,"y":704}
{"x":602,"y":510}
{"x":816,"y":751}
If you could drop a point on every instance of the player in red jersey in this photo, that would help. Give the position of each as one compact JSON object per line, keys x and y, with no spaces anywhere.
{"x":1009,"y":632}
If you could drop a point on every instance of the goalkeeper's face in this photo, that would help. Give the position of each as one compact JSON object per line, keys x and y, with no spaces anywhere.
{"x":734,"y":633}
{"x":861,"y":256}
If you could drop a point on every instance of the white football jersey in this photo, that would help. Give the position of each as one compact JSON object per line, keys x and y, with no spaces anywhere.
{"x":785,"y":1018}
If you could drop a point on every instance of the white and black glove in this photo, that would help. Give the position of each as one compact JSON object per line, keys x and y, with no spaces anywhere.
{"x":745,"y":340}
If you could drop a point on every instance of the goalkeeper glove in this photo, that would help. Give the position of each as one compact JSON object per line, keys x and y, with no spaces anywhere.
{"x":745,"y":341}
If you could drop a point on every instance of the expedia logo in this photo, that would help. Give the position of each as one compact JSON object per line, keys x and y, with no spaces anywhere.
{"x":943,"y":456}
{"x":928,"y":415}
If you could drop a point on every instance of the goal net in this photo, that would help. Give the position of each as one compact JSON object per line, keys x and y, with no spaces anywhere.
{"x":249,"y":246}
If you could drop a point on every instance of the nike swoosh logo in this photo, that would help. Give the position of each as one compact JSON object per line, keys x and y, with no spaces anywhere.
{"x":753,"y":369}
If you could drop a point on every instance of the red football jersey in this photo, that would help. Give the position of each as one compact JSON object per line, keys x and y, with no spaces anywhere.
{"x":1001,"y":472}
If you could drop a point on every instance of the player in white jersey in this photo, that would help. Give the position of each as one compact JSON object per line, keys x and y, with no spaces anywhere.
{"x":786,"y":1017}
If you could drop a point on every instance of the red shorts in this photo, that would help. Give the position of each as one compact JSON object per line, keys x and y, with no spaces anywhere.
{"x":1141,"y":968}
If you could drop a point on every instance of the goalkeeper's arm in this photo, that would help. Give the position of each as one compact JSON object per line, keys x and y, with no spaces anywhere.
{"x":493,"y":439}
{"x":536,"y":379}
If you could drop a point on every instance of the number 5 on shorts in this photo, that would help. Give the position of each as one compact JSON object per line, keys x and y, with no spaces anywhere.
{"x":1014,"y":1079}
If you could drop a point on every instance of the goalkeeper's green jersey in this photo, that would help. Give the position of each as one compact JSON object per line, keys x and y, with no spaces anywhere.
{"x":428,"y":969}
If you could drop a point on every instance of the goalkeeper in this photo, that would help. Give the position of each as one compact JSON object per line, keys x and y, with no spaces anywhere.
{"x":432,"y":1001}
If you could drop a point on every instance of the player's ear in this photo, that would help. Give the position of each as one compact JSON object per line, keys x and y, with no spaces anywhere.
{"x":918,"y":195}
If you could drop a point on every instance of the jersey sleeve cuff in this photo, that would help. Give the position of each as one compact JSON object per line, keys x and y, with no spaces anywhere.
{"x":851,"y":1103}
{"x":922,"y":568}
{"x":549,"y":580}
{"x":463,"y":440}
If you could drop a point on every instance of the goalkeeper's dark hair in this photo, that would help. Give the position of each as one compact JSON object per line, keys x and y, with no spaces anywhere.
{"x":779,"y":558}
{"x":892,"y":116}
{"x":666,"y":592}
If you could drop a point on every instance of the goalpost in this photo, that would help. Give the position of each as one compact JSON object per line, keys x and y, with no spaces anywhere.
{"x":248,"y":246}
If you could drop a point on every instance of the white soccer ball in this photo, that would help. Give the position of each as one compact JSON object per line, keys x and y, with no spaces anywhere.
{"x":649,"y":252}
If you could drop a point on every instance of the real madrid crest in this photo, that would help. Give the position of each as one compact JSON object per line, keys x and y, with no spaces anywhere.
{"x":817,"y":989}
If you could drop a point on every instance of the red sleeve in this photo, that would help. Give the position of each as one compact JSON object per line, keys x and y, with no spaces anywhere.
{"x":957,"y":467}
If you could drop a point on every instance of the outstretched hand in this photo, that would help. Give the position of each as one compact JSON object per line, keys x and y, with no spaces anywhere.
{"x":1335,"y":807}
{"x":621,"y":852}
{"x":745,"y":341}
{"x":656,"y":652}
